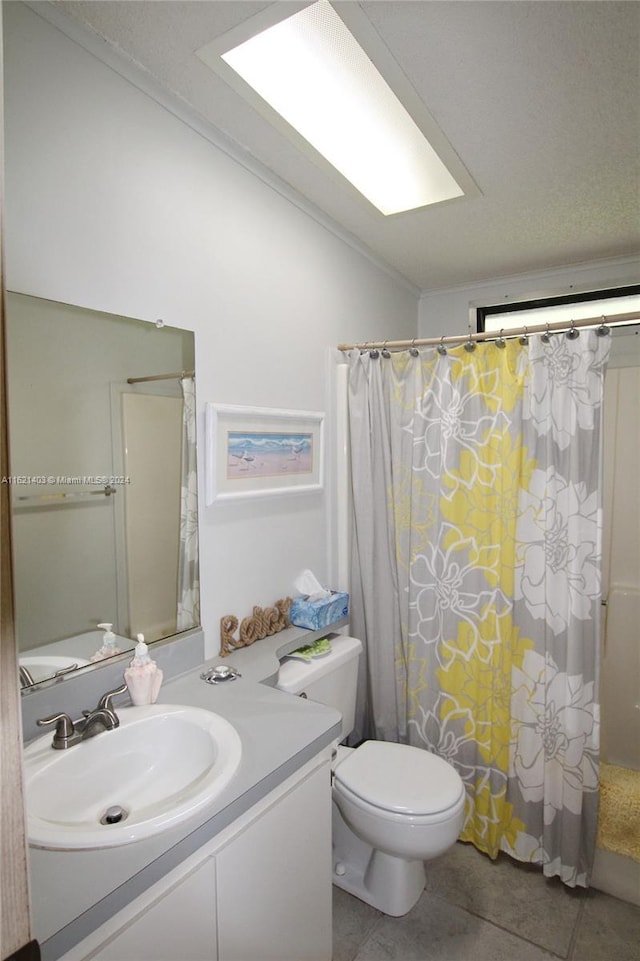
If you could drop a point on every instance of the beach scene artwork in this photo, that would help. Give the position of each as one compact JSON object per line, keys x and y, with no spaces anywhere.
{"x":268,"y":454}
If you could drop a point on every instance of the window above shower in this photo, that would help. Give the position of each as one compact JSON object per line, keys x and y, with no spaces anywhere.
{"x":560,"y":309}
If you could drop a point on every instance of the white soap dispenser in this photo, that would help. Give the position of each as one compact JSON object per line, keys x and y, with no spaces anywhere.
{"x":143,"y":677}
{"x":109,"y":645}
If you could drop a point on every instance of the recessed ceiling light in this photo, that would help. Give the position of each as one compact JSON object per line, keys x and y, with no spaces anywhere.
{"x":312,"y":71}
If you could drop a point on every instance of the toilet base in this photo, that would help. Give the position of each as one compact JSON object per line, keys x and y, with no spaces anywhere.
{"x":393,"y":887}
{"x":390,"y":884}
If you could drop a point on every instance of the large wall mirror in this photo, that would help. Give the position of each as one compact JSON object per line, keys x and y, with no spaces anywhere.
{"x":103,"y":484}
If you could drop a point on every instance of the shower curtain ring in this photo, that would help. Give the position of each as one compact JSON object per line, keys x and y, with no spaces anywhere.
{"x":603,"y":330}
{"x":546,"y":337}
{"x":572,"y":333}
{"x":413,"y":350}
{"x":441,"y":348}
{"x":501,"y":342}
{"x":385,"y":352}
{"x":470,"y":345}
{"x":524,"y":338}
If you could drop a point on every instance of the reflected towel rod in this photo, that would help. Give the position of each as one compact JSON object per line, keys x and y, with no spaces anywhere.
{"x":61,"y":496}
{"x":177,"y":376}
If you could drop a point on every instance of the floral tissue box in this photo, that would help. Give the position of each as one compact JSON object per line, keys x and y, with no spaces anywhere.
{"x":316,"y":615}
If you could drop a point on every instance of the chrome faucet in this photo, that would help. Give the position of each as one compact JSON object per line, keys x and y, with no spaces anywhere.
{"x":96,"y":721}
{"x":68,"y":732}
{"x":26,"y":678}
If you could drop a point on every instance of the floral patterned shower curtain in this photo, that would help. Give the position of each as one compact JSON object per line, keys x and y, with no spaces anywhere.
{"x":188,"y":614}
{"x":476,"y":578}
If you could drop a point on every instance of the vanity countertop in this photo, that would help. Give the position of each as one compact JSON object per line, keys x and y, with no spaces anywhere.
{"x":279,"y":734}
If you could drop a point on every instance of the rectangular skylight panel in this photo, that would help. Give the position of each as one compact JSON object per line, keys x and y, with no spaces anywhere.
{"x":312,"y":71}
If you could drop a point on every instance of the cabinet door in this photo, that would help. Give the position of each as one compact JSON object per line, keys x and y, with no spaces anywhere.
{"x":175,"y":920}
{"x":274,"y":880}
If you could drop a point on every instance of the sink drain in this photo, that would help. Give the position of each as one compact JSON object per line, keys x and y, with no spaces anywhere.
{"x":114,"y":815}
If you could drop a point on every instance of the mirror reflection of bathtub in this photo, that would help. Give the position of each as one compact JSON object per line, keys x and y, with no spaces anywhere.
{"x":99,"y":406}
{"x":42,"y":666}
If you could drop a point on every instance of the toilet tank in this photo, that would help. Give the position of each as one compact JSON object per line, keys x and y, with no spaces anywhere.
{"x":330,"y":679}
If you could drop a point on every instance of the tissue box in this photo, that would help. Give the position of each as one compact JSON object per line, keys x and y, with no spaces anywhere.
{"x":316,"y":615}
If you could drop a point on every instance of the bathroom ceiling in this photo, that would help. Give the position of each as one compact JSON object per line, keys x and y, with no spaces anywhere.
{"x":539,"y":100}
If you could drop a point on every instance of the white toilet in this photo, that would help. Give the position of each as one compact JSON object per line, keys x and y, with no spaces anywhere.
{"x":394,"y":806}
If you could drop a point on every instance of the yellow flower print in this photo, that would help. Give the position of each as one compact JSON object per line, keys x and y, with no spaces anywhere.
{"x":487,"y":510}
{"x":414,"y":513}
{"x":478,"y":688}
{"x":494,"y":374}
{"x":481,"y":684}
{"x":490,"y":819}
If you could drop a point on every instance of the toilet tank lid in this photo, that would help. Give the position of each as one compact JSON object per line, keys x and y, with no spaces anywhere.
{"x":400,"y":778}
{"x":295,"y":675}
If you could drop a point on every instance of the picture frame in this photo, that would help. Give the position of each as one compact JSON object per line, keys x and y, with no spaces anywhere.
{"x":256,"y":452}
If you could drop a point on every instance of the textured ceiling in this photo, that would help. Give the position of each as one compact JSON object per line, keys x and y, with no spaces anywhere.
{"x":540,"y":101}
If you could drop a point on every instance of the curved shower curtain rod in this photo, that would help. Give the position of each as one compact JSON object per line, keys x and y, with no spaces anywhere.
{"x":601,"y":321}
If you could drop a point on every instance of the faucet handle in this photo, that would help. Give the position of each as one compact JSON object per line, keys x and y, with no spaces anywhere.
{"x":26,"y":677}
{"x":65,"y":728}
{"x":104,"y":704}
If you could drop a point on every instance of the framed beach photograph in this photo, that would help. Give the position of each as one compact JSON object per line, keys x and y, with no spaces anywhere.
{"x":262,"y":452}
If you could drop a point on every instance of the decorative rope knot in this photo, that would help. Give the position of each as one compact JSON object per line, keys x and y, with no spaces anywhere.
{"x":228,"y":625}
{"x":251,"y":627}
{"x":282,"y":608}
{"x":262,"y":623}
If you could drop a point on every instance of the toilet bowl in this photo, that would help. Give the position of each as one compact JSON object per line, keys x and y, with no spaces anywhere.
{"x":394,"y":807}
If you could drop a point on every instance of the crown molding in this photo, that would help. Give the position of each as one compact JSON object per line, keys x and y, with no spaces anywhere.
{"x":544,"y":275}
{"x":133,"y":72}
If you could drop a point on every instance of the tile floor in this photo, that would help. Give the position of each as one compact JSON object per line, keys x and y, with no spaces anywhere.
{"x":475,"y":909}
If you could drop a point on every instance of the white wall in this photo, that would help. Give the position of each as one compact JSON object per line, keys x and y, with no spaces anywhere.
{"x":449,"y":311}
{"x":115,"y":204}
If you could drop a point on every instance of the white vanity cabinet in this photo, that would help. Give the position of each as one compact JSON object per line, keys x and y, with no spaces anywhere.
{"x":174,"y":919}
{"x":274,"y":879}
{"x":258,"y":891}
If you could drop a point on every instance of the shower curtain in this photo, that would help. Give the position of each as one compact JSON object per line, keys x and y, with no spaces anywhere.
{"x":476,"y":578}
{"x":188,"y":614}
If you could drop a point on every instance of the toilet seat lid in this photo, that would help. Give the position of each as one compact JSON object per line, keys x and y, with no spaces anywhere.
{"x":400,"y":778}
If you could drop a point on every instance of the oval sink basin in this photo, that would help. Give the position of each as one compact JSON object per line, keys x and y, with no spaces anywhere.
{"x":161,"y":765}
{"x":44,"y":666}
